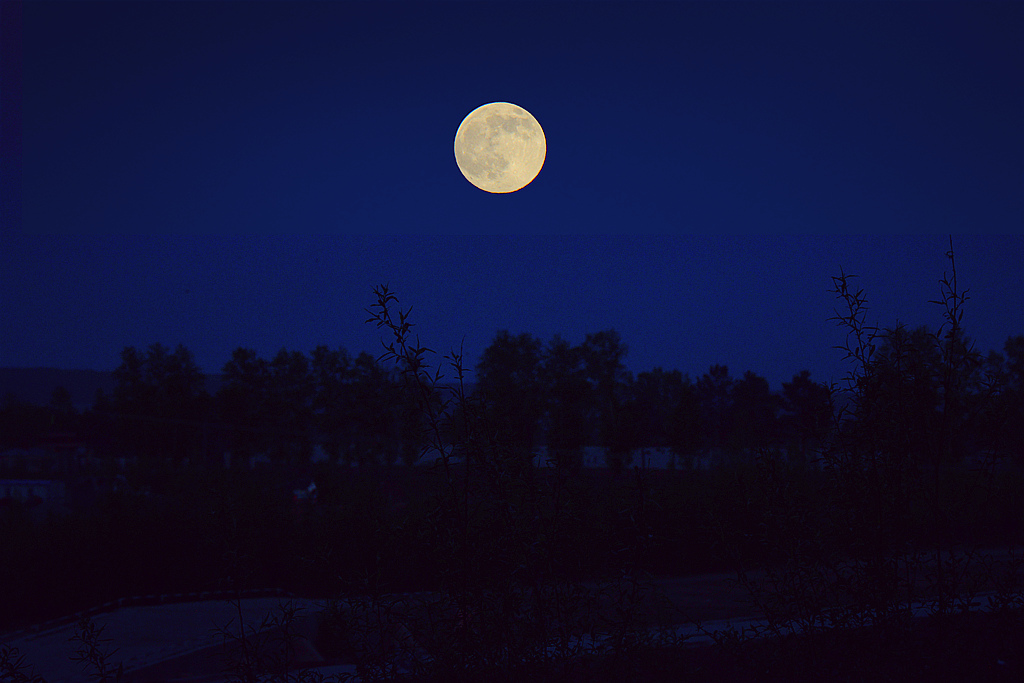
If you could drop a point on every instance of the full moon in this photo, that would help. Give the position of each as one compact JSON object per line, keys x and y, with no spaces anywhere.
{"x":500,"y":147}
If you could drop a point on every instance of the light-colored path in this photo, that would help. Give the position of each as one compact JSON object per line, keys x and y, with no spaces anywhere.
{"x":147,"y":635}
{"x":174,"y":641}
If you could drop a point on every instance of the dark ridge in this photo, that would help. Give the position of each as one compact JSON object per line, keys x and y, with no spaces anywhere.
{"x":35,"y":385}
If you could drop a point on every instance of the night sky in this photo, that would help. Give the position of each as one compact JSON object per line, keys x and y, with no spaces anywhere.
{"x":243,"y":174}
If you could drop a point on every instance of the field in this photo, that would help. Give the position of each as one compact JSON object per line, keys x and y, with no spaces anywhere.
{"x":664,"y":546}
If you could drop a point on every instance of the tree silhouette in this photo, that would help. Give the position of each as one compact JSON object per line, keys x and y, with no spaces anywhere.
{"x":285,"y":406}
{"x":60,"y":402}
{"x":510,"y":392}
{"x":290,"y":390}
{"x":684,"y":426}
{"x":602,"y":354}
{"x":662,"y":411}
{"x":1014,"y":350}
{"x":375,"y":415}
{"x":715,"y":391}
{"x":331,"y":370}
{"x":568,"y":403}
{"x":242,"y":404}
{"x":160,"y":401}
{"x":999,"y":405}
{"x":806,"y":416}
{"x":648,"y":408}
{"x":752,"y":417}
{"x":905,"y":390}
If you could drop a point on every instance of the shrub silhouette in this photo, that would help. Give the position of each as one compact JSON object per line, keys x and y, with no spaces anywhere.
{"x":897,"y":519}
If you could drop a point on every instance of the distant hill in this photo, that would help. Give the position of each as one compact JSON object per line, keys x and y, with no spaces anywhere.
{"x":36,"y":385}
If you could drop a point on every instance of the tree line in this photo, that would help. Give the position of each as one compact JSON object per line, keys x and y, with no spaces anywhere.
{"x":529,"y":394}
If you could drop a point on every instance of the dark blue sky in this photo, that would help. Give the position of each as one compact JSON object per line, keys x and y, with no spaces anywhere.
{"x":242,"y":174}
